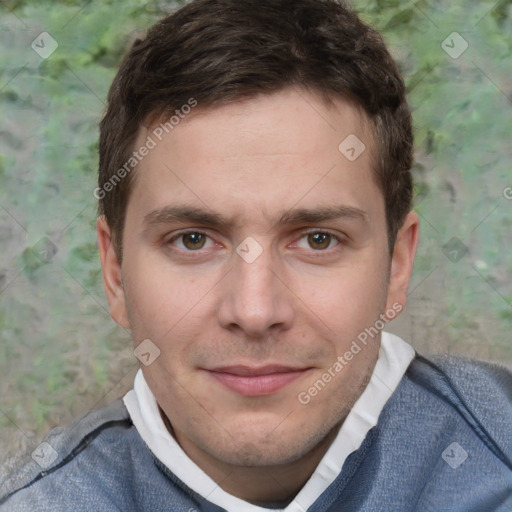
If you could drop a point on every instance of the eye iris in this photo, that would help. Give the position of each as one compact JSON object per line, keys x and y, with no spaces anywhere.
{"x":194,"y":240}
{"x":319,"y":240}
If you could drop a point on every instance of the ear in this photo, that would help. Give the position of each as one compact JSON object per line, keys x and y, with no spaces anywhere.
{"x":111,"y":272}
{"x":402,"y":260}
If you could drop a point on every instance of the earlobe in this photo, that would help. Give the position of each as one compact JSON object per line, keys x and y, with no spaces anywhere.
{"x":402,"y":261}
{"x":111,"y":273}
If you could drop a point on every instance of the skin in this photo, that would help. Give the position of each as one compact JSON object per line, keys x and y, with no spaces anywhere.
{"x":300,"y":303}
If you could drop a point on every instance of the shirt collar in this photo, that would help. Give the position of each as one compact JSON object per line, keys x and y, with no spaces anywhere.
{"x":394,"y":357}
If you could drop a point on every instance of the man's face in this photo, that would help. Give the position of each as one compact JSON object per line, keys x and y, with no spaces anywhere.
{"x":253,"y":300}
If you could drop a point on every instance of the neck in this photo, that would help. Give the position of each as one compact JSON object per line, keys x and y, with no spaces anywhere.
{"x":256,"y":484}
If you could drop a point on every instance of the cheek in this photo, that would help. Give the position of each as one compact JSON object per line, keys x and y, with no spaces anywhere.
{"x":161,"y":300}
{"x":346,"y":301}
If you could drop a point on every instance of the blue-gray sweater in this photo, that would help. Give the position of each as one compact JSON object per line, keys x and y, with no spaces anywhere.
{"x":443,"y":443}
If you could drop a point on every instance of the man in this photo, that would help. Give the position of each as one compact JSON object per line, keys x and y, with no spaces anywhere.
{"x":255,"y":235}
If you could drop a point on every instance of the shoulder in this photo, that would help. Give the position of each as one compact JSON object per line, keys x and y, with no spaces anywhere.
{"x":442,"y":441}
{"x":475,"y":377}
{"x":477,"y":393}
{"x":73,"y":460}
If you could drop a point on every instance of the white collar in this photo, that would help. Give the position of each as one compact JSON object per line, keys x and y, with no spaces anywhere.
{"x":395,"y":356}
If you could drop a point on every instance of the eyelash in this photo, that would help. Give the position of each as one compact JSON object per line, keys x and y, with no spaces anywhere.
{"x":334,"y":237}
{"x":183,"y":233}
{"x":322,"y":252}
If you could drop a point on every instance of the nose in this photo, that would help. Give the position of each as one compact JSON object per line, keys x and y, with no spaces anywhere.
{"x":254,"y":297}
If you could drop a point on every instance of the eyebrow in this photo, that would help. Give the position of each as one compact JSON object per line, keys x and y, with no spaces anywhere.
{"x":315,"y":215}
{"x":186,"y":214}
{"x":170,"y":214}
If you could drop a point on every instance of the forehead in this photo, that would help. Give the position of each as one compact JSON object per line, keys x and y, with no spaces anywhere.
{"x":260,"y":157}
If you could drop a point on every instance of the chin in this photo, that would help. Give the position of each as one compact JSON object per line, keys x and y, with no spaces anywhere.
{"x":268,"y":446}
{"x":260,"y":454}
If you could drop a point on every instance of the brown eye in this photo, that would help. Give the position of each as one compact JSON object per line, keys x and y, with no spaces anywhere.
{"x":193,"y":241}
{"x":319,"y":240}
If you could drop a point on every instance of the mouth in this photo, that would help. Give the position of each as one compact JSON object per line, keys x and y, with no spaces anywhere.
{"x":256,"y":381}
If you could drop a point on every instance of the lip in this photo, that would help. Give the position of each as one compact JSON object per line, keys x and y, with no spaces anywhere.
{"x":252,"y":381}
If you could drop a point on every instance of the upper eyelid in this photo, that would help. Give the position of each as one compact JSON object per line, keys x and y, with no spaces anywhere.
{"x":339,"y":238}
{"x":167,"y":240}
{"x":307,"y":231}
{"x":173,"y":236}
{"x":302,"y":232}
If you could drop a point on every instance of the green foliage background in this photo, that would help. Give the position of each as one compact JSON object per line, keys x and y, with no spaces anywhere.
{"x":61,"y":354}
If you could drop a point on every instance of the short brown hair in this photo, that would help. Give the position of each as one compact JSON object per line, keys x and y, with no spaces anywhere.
{"x":220,"y":51}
